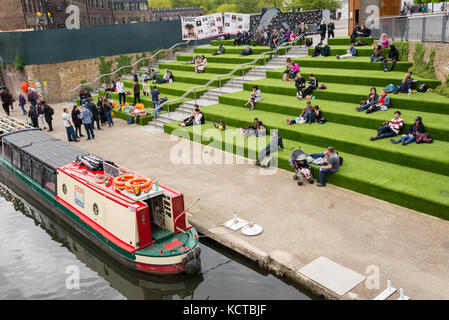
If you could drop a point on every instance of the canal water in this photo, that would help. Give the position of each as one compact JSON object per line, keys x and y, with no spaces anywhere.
{"x":39,"y":259}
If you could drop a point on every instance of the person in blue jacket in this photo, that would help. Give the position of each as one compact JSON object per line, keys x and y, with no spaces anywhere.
{"x":417,"y":127}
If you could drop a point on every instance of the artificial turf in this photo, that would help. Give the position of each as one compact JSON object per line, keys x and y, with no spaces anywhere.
{"x":344,"y":41}
{"x":226,"y":58}
{"x":364,"y":51}
{"x":415,"y":176}
{"x":412,"y":188}
{"x":236,"y":50}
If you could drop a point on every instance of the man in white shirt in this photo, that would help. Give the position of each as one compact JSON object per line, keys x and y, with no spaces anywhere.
{"x":71,"y":136}
{"x":121,"y":91}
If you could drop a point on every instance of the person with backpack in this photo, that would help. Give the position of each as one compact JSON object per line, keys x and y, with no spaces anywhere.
{"x":389,"y":129}
{"x":393,"y":57}
{"x":40,"y":113}
{"x":48,"y":115}
{"x":413,"y":131}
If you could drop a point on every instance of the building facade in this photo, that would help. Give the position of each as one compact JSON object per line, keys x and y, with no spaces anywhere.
{"x":23,"y":14}
{"x":363,"y":11}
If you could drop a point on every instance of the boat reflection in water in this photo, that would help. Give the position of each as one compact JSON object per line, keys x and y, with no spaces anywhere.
{"x":131,"y":284}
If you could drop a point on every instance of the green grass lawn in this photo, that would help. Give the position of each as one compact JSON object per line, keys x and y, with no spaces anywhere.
{"x":364,"y":51}
{"x":377,"y":178}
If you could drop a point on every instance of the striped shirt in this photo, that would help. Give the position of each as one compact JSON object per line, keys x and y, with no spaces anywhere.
{"x":396,"y":125}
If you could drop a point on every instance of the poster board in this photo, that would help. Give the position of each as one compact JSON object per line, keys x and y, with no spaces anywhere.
{"x":188,"y":26}
{"x":234,"y":22}
{"x":210,"y":25}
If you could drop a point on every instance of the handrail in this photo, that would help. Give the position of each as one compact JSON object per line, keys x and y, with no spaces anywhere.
{"x":132,"y":65}
{"x":291,"y":43}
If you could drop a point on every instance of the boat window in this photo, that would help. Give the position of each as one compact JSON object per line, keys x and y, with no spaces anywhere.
{"x":36,"y":169}
{"x":7,"y":152}
{"x":26,"y":164}
{"x":16,"y":158}
{"x":49,"y":180}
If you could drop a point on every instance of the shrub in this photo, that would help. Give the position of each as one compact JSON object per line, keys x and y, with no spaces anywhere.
{"x":18,"y":64}
{"x":122,"y":61}
{"x":444,"y":88}
{"x":85,"y":88}
{"x":144,"y":62}
{"x":403,"y":49}
{"x":420,"y":67}
{"x":105,"y":68}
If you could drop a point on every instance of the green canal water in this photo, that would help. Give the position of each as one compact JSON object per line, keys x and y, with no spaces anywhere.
{"x":39,"y":259}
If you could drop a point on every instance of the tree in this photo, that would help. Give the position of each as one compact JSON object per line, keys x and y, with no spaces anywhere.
{"x":247,"y":6}
{"x":226,"y":7}
{"x":159,"y":4}
{"x":320,"y":4}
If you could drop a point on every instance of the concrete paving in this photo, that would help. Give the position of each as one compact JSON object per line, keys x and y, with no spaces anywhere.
{"x":300,"y":223}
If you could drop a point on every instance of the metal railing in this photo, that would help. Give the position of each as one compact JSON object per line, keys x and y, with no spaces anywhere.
{"x":132,"y":65}
{"x":417,"y":27}
{"x":230,"y":74}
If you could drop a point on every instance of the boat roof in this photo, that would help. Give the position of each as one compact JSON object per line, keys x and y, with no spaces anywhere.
{"x":51,"y":151}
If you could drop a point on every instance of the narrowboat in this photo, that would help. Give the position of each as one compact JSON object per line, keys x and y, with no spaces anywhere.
{"x":140,"y":223}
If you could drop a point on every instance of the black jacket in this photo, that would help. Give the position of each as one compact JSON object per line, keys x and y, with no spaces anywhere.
{"x":48,"y":112}
{"x":394,"y":53}
{"x":93,"y":108}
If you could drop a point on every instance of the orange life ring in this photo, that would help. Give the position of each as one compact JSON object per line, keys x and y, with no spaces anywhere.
{"x":140,"y":183}
{"x":120,"y":181}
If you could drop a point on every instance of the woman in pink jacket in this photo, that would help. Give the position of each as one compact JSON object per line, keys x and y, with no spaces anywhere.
{"x":383,"y":42}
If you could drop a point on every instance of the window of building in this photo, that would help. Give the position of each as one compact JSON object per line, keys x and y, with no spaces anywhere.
{"x":7,"y":152}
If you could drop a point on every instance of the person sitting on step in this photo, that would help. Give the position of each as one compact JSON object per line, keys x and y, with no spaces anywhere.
{"x":309,"y":114}
{"x":221,"y":126}
{"x":312,"y":85}
{"x":382,"y":104}
{"x":272,"y":147}
{"x":371,"y":100}
{"x":389,"y":129}
{"x":377,"y":54}
{"x":256,"y":96}
{"x":393,"y":57}
{"x":220,"y":51}
{"x":350,"y":53}
{"x":415,"y":128}
{"x":246,"y":52}
{"x":406,"y":84}
{"x":196,"y":118}
{"x":300,"y":84}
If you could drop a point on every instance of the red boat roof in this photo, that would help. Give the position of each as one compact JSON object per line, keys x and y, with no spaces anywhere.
{"x":90,"y":178}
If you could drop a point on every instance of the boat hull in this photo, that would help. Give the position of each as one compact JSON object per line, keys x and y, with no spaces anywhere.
{"x":26,"y":188}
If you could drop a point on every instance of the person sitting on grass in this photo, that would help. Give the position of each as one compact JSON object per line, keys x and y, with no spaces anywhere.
{"x":292,"y":68}
{"x":393,"y":57}
{"x":321,"y":50}
{"x":221,"y":126}
{"x":415,"y":128}
{"x":383,"y":42}
{"x":238,"y":39}
{"x":382,"y":104}
{"x":300,"y":84}
{"x":312,"y":85}
{"x":192,"y":61}
{"x":333,"y":165}
{"x":256,"y":96}
{"x":257,"y":128}
{"x":309,"y":114}
{"x":371,"y":100}
{"x":272,"y":147}
{"x":196,"y":118}
{"x":350,"y":53}
{"x":220,"y":51}
{"x":201,"y":65}
{"x":377,"y":54}
{"x":406,"y":84}
{"x":246,"y":52}
{"x":389,"y":129}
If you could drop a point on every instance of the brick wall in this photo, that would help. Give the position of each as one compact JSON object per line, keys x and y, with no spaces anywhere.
{"x":11,"y":15}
